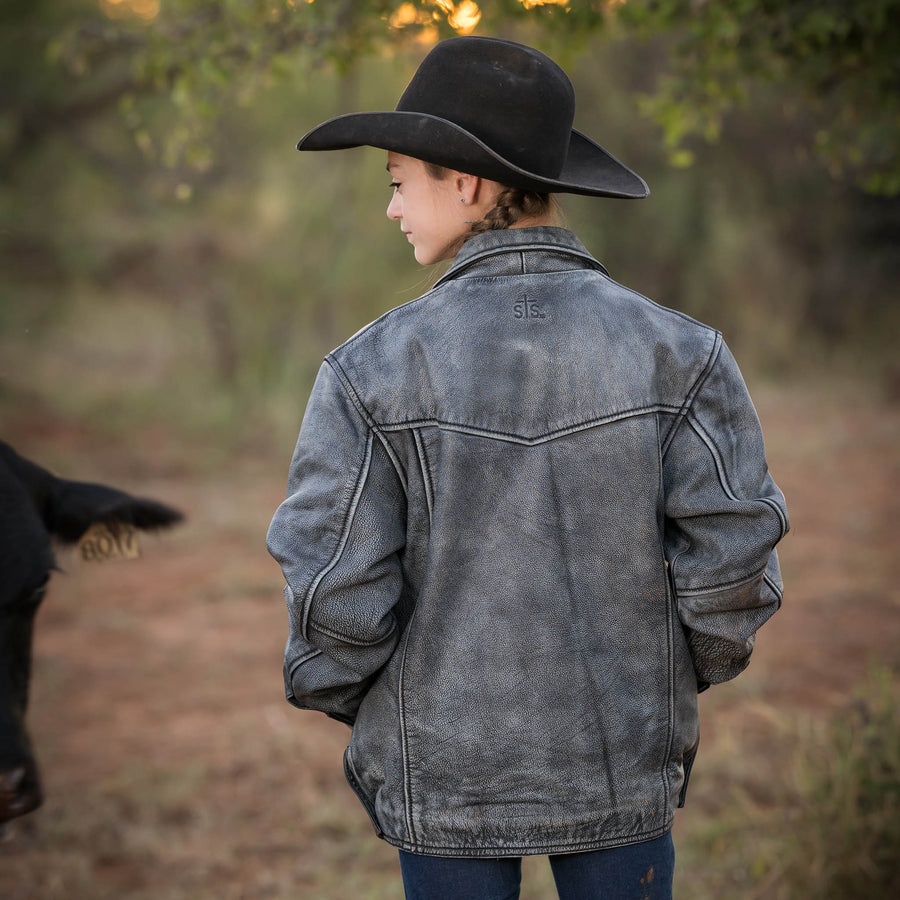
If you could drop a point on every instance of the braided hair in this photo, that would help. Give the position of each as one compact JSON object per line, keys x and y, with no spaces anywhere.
{"x":512,"y":204}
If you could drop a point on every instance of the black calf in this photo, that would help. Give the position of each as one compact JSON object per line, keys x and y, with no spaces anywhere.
{"x":36,"y":506}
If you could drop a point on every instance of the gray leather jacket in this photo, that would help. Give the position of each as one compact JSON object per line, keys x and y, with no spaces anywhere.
{"x":528,"y":513}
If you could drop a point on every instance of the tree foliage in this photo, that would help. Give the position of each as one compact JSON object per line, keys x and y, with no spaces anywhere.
{"x":68,"y":61}
{"x":837,"y":64}
{"x":199,"y":216}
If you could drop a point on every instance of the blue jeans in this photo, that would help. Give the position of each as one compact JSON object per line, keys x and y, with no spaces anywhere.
{"x":634,"y":872}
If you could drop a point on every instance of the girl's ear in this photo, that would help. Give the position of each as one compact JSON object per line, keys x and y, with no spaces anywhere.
{"x":469,"y":187}
{"x":481,"y":193}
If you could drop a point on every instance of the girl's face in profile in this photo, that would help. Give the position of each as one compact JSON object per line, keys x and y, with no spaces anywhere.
{"x":429,"y":209}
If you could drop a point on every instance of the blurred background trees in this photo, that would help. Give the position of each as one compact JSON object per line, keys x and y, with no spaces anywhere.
{"x":167,"y":253}
{"x":173,"y":272}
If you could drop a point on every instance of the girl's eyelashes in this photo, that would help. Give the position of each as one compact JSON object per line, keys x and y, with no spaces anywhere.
{"x":394,"y":185}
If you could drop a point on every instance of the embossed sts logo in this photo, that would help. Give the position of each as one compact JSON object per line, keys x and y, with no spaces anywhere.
{"x":528,"y":309}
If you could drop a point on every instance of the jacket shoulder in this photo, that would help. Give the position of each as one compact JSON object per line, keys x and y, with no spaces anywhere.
{"x":459,"y":352}
{"x":670,"y":321}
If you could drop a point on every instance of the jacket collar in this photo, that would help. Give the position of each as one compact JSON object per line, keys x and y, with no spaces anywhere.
{"x":515,"y":240}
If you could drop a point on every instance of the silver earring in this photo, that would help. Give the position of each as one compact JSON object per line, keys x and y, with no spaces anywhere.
{"x":462,"y":199}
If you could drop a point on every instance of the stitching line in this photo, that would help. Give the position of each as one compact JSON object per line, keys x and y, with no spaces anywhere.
{"x":701,"y":432}
{"x":779,"y":512}
{"x":347,"y":639}
{"x":670,"y":632}
{"x":777,"y":591}
{"x":367,"y":417}
{"x":404,"y":736}
{"x":692,"y":393}
{"x":306,"y":657}
{"x":342,"y":543}
{"x":723,"y":586}
{"x":564,"y":847}
{"x":351,"y":391}
{"x":426,"y":473}
{"x":519,"y":439}
{"x":392,"y":456}
{"x":486,"y":254}
{"x":723,"y":475}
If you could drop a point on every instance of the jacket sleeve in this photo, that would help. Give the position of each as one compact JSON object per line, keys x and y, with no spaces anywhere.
{"x":723,"y":517}
{"x":337,"y":537}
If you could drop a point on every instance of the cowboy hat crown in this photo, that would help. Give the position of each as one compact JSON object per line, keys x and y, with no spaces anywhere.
{"x":492,"y":108}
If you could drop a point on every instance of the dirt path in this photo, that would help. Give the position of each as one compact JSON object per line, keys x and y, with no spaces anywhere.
{"x":173,"y":766}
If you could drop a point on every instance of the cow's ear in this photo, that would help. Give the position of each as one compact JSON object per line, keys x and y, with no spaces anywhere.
{"x":76,"y":505}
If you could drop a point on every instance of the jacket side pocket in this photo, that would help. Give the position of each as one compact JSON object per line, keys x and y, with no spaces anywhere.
{"x":357,"y":789}
{"x":688,"y":764}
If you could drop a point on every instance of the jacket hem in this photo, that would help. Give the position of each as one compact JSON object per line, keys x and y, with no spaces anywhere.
{"x":530,"y":849}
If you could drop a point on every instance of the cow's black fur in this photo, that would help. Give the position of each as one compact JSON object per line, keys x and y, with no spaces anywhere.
{"x":35,"y":507}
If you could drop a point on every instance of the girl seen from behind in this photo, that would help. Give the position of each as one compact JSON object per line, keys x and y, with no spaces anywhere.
{"x":528,"y":515}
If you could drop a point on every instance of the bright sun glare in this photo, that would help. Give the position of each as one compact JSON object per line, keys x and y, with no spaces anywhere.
{"x":143,"y":9}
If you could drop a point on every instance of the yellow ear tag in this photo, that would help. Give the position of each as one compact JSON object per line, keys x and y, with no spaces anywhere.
{"x":101,"y":542}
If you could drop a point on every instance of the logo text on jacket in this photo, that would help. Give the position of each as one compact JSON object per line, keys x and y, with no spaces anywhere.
{"x":528,"y":309}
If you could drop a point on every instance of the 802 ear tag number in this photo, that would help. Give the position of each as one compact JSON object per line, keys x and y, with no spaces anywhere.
{"x":100,"y":542}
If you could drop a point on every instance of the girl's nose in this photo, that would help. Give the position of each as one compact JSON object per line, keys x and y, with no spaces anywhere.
{"x":393,"y":210}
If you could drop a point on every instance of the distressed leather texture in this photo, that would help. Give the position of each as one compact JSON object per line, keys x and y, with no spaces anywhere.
{"x":528,"y":516}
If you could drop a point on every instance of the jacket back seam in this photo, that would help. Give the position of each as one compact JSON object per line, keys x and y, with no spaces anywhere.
{"x":455,"y":272}
{"x":670,"y":641}
{"x":521,"y":439}
{"x":404,"y":733}
{"x":666,"y":309}
{"x":367,"y":417}
{"x":355,"y":399}
{"x":691,"y":395}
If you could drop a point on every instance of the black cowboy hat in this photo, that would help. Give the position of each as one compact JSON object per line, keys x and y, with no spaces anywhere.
{"x":491,"y":108}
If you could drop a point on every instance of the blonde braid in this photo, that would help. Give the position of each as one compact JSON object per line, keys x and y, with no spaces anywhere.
{"x":511,"y":205}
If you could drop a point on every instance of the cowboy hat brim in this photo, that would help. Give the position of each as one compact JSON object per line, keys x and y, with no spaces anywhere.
{"x":588,"y":168}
